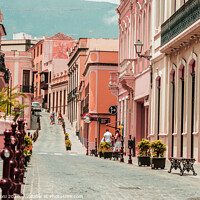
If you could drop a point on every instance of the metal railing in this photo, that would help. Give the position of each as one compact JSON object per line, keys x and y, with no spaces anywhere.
{"x":185,"y":16}
{"x":26,"y":89}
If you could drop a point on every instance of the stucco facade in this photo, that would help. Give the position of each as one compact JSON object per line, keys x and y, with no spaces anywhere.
{"x":133,"y":85}
{"x":19,"y":64}
{"x":175,"y":93}
{"x":44,"y":52}
{"x":86,"y":70}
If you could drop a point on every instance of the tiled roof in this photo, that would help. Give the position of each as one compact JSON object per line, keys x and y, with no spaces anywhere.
{"x":59,"y":36}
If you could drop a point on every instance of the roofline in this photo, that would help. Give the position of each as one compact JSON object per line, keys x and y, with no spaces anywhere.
{"x":99,"y":63}
{"x":4,"y":30}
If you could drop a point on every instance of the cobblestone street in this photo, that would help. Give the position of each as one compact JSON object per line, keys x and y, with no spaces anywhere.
{"x":56,"y":174}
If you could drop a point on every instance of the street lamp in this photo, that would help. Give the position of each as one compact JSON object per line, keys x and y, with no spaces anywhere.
{"x":138,"y":48}
{"x":77,"y":96}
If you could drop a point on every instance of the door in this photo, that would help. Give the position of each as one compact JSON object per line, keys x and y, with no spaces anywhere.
{"x":26,"y":81}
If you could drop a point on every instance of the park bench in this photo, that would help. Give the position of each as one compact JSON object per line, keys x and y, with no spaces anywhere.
{"x":184,"y":164}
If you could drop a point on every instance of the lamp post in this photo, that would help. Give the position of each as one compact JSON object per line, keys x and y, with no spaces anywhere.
{"x":77,"y":95}
{"x":138,"y":48}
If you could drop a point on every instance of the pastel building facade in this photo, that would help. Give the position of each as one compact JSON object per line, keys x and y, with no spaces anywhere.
{"x":132,"y":83}
{"x":175,"y":93}
{"x":19,"y":64}
{"x":44,"y":53}
{"x":89,"y":70}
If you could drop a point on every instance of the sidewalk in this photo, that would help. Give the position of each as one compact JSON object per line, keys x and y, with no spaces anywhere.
{"x":76,"y":147}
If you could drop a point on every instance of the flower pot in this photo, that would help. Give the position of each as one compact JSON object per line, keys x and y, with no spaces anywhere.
{"x":107,"y":155}
{"x":100,"y":154}
{"x":158,"y":163}
{"x":68,"y":148}
{"x":143,"y":160}
{"x":116,"y":155}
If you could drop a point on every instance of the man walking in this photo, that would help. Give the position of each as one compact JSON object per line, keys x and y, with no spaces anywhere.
{"x":108,"y":136}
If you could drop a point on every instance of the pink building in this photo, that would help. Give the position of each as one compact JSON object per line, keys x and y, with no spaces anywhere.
{"x":132,"y":82}
{"x":19,"y":64}
{"x":46,"y":55}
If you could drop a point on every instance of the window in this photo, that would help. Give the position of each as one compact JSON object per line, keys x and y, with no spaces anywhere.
{"x":173,"y":6}
{"x":40,"y":66}
{"x":144,"y":31}
{"x":38,"y":51}
{"x":139,"y":27}
{"x":124,"y":44}
{"x":149,"y":27}
{"x":162,"y":10}
{"x":37,"y":66}
{"x":41,"y":49}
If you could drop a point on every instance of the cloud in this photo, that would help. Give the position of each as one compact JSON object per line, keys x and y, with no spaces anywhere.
{"x":111,"y":17}
{"x":109,"y":1}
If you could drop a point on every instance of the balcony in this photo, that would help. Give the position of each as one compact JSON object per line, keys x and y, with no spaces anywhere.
{"x":26,"y":89}
{"x":3,"y":67}
{"x":181,"y":26}
{"x":44,"y":85}
{"x":72,"y":94}
{"x":126,"y":76}
{"x":127,"y":63}
{"x":85,"y":109}
{"x":114,"y":83}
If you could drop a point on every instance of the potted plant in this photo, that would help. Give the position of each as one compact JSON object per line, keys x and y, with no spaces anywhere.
{"x":66,"y":136}
{"x":68,"y":144}
{"x":105,"y":150}
{"x":158,"y":159}
{"x":144,"y":152}
{"x":28,"y":149}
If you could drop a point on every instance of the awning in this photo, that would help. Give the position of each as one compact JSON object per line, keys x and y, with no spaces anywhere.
{"x":44,"y":71}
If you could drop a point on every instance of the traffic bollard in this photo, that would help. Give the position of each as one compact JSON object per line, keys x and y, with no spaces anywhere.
{"x":122,"y":150}
{"x":130,"y":147}
{"x":6,"y":155}
{"x":13,"y":161}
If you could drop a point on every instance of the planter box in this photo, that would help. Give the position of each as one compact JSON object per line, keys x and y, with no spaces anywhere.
{"x":100,"y":154}
{"x":143,"y":160}
{"x":158,"y":163}
{"x":116,"y":155}
{"x":68,"y":148}
{"x":107,"y":155}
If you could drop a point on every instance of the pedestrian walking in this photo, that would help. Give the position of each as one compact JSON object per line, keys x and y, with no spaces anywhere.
{"x":108,"y":136}
{"x":52,"y":119}
{"x":59,"y":118}
{"x":118,"y":141}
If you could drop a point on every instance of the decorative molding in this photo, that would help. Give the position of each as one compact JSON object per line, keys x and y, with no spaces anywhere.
{"x":163,"y":134}
{"x":195,"y":133}
{"x":184,"y":134}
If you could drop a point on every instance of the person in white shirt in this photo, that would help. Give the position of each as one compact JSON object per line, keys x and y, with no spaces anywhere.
{"x":108,"y":136}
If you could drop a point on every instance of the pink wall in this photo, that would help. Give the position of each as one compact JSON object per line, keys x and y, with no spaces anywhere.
{"x":16,"y":62}
{"x":142,"y":85}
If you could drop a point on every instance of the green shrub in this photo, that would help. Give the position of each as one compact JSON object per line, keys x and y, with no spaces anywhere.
{"x":144,"y":147}
{"x":158,"y":148}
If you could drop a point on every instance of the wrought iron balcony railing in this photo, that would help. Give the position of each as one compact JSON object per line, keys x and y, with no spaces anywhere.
{"x":26,"y":89}
{"x":85,"y":109}
{"x":69,"y":97}
{"x":185,"y":16}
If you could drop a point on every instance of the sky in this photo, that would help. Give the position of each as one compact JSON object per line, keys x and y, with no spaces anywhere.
{"x":75,"y":18}
{"x":110,"y":1}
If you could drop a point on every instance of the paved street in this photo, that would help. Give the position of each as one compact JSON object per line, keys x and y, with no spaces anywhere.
{"x":57,"y":174}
